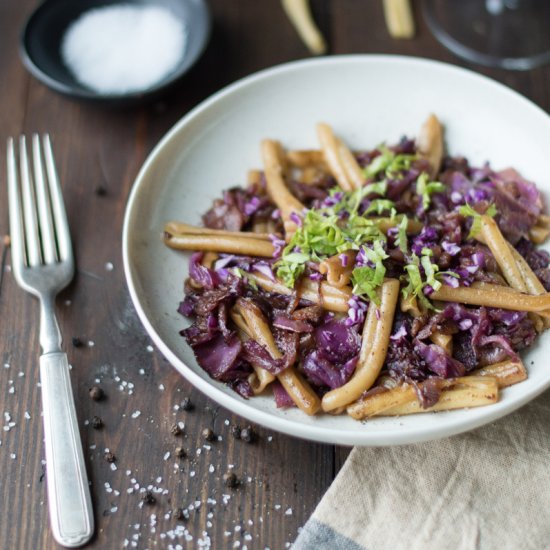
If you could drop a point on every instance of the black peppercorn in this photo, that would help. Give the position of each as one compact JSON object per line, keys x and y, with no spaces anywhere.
{"x":175,"y":430}
{"x":96,"y":393}
{"x":248,"y":435}
{"x":177,"y":513}
{"x":208,"y":434}
{"x":77,"y":342}
{"x":110,"y":457}
{"x":236,"y":431}
{"x":180,"y":452}
{"x":186,"y":404}
{"x":148,"y":498}
{"x":230,"y":480}
{"x":96,"y":423}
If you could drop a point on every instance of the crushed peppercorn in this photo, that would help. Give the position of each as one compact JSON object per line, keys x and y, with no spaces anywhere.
{"x":248,"y":435}
{"x":96,"y":423}
{"x":96,"y":393}
{"x":230,"y":480}
{"x":208,"y":434}
{"x":77,"y":342}
{"x":186,"y":404}
{"x":176,"y":430}
{"x":148,"y":498}
{"x":236,"y":431}
{"x":180,"y":452}
{"x":177,"y":513}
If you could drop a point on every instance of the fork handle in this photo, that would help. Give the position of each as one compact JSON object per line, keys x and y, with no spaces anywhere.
{"x":70,"y":505}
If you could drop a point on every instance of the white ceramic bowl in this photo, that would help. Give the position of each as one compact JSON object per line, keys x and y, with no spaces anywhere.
{"x":367,"y":99}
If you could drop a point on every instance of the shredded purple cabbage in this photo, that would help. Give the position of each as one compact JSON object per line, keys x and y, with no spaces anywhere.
{"x":282,"y":399}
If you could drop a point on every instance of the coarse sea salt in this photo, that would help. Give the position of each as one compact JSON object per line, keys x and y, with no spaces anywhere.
{"x":124,"y":48}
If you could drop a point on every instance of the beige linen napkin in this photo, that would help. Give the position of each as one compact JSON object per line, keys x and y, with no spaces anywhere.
{"x":487,"y":489}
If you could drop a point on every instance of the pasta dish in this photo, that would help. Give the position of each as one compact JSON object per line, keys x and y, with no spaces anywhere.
{"x":389,"y":281}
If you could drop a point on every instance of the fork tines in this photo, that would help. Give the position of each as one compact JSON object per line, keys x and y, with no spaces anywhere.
{"x":38,"y":223}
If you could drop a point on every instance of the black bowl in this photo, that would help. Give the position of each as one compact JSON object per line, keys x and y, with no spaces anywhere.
{"x":45,"y":28}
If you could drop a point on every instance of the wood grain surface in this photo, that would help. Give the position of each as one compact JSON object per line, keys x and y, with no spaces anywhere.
{"x":281,"y":478}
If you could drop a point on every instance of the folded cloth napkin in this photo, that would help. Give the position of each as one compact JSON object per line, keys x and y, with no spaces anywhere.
{"x":486,"y":489}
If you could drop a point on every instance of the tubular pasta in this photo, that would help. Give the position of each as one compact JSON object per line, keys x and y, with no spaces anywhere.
{"x":311,"y":174}
{"x":500,"y":248}
{"x":444,"y":341}
{"x":253,"y":177}
{"x":274,"y":174}
{"x":306,"y":158}
{"x":402,"y":397}
{"x":331,"y":152}
{"x":506,"y":373}
{"x":377,"y":403}
{"x":259,"y":227}
{"x":297,"y":388}
{"x":222,"y":243}
{"x":260,"y":378}
{"x":178,"y":228}
{"x":209,"y":258}
{"x":327,"y":296}
{"x":409,"y":305}
{"x":470,"y":392}
{"x":493,"y":296}
{"x":430,"y":143}
{"x":350,"y":165}
{"x":375,"y":341}
{"x":250,"y":321}
{"x":539,"y":234}
{"x":541,"y":230}
{"x":533,"y":285}
{"x":338,"y":275}
{"x":399,"y":18}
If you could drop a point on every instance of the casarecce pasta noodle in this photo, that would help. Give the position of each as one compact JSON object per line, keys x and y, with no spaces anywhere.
{"x":380,"y":282}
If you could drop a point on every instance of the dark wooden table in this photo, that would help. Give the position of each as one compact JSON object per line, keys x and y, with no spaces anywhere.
{"x":282,"y":478}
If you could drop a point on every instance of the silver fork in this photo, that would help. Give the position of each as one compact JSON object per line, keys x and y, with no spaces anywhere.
{"x":43,"y":264}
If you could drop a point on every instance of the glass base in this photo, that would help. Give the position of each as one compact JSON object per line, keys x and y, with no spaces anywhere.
{"x":510,"y":34}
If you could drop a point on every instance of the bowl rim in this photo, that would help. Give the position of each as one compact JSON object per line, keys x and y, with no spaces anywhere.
{"x":88,"y":94}
{"x":236,"y":404}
